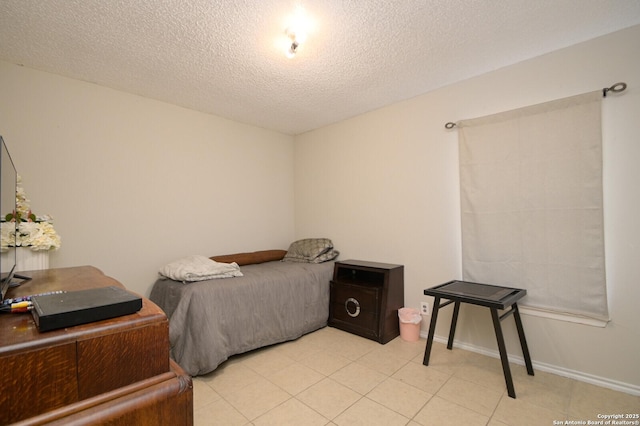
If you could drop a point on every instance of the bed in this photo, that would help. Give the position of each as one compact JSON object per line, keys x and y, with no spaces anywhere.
{"x":272,"y":302}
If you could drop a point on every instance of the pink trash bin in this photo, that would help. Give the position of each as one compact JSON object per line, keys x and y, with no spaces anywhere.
{"x":410,"y":320}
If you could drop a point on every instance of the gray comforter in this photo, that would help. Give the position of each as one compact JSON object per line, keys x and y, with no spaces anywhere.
{"x":273,"y":302}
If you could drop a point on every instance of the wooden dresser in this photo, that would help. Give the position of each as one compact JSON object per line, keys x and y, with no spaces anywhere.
{"x":115,"y":371}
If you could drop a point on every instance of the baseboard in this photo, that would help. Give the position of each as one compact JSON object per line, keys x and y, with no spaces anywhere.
{"x":548,"y":368}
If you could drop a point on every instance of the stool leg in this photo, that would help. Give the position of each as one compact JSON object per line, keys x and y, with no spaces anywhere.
{"x":503,"y":353}
{"x":454,"y":322}
{"x":523,"y":340}
{"x":432,"y":330}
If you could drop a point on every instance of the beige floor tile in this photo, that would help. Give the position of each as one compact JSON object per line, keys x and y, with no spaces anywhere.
{"x":369,"y":413}
{"x":230,"y":377}
{"x":219,"y":413}
{"x":329,"y":398}
{"x":400,"y":397}
{"x":487,"y":377}
{"x":295,"y":378}
{"x":298,"y":349}
{"x":470,"y":395}
{"x":323,"y":337}
{"x":257,"y":398}
{"x":422,"y":377}
{"x":403,"y":349}
{"x":349,"y":345}
{"x":494,"y":422}
{"x":516,"y":412}
{"x":440,"y":412}
{"x":267,"y":361}
{"x":543,"y":378}
{"x":445,"y":360}
{"x":203,"y":394}
{"x":418,"y":358}
{"x":543,"y":389}
{"x":291,"y":413}
{"x":359,"y":378}
{"x":383,"y":360}
{"x":587,"y":401}
{"x":484,"y":361}
{"x":324,"y":362}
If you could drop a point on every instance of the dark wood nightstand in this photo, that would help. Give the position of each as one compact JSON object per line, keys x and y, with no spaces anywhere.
{"x":365,"y":298}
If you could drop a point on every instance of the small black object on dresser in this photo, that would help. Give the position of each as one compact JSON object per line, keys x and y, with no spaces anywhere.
{"x":66,"y":309}
{"x":365,"y":298}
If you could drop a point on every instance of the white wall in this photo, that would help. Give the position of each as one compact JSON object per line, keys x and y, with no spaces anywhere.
{"x":384,"y":187}
{"x":134,"y":183}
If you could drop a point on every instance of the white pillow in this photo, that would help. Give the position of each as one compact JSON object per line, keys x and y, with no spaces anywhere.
{"x":199,"y":268}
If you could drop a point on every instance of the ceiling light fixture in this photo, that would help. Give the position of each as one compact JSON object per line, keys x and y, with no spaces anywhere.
{"x":296,"y":38}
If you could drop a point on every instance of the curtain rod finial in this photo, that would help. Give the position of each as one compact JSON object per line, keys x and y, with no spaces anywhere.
{"x":449,"y":125}
{"x":616,"y":88}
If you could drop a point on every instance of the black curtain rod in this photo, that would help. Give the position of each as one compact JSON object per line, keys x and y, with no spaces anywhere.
{"x":616,"y":88}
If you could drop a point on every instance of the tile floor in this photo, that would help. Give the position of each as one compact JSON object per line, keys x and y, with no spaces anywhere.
{"x":331,"y":377}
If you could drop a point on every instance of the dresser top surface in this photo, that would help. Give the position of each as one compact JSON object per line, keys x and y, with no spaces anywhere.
{"x":18,"y":331}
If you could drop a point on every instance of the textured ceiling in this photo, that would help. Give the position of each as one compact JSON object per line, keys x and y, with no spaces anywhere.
{"x":224,"y":57}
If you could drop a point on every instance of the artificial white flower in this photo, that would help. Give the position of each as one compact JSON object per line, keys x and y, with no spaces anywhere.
{"x":35,"y":232}
{"x":37,"y":236}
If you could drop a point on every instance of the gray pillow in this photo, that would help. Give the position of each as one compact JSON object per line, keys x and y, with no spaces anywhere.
{"x":311,"y":250}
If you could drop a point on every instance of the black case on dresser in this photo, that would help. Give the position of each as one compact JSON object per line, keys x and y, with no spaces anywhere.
{"x":365,"y":298}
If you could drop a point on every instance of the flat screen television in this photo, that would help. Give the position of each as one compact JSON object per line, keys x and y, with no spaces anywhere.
{"x":8,"y":187}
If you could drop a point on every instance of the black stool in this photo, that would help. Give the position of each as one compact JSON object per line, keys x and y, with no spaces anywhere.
{"x":493,"y":297}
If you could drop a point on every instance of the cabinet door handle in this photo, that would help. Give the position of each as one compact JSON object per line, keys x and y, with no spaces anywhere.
{"x":357,"y":310}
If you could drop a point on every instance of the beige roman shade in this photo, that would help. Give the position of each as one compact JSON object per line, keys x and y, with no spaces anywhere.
{"x":531,"y":199}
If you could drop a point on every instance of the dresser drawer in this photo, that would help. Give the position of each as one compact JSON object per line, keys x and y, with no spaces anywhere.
{"x":355,"y":308}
